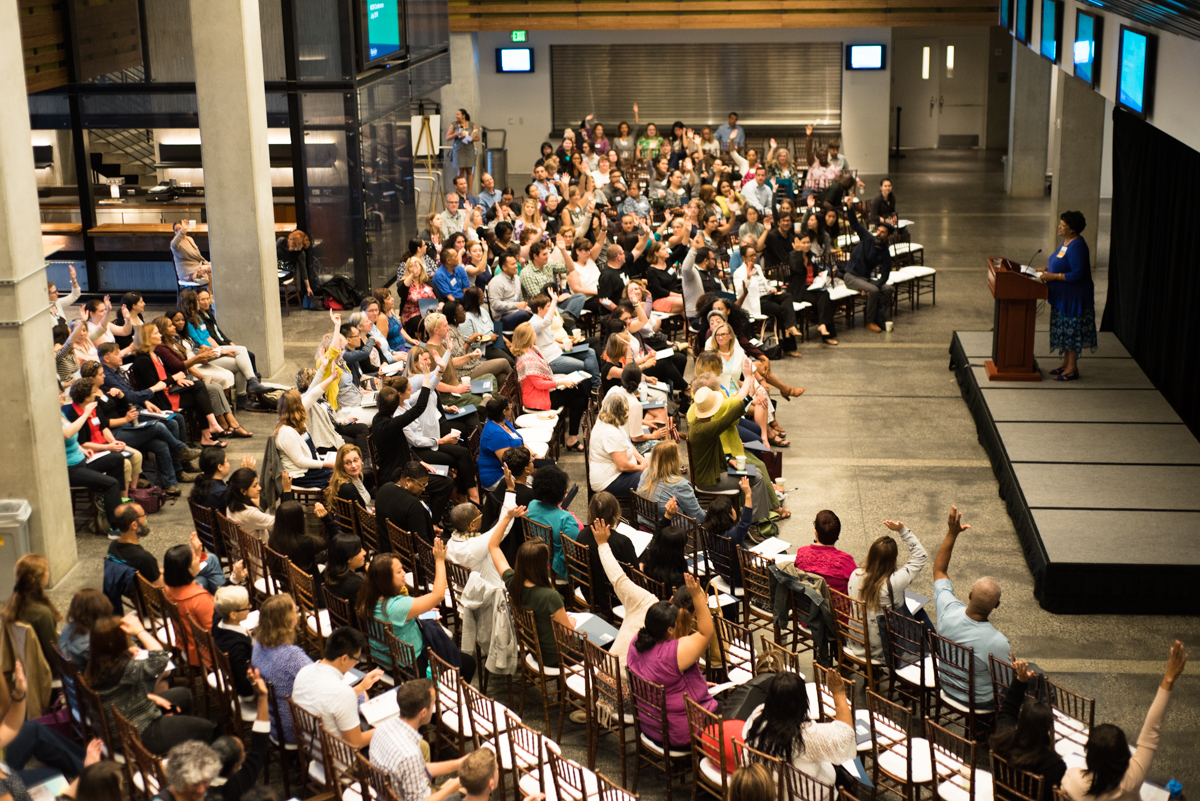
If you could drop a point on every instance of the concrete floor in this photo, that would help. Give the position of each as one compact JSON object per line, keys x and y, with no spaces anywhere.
{"x":882,"y":433}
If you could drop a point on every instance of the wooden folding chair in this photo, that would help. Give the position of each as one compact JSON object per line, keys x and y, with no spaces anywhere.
{"x":579,"y":574}
{"x":650,"y":715}
{"x":736,"y":645}
{"x":1013,"y":783}
{"x":953,"y":760}
{"x":901,"y":762}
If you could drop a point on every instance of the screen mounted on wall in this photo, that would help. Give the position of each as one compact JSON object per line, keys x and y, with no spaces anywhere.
{"x":1089,"y":32}
{"x":1023,"y":19}
{"x":866,"y":56}
{"x":1136,"y":57}
{"x":1052,"y":25}
{"x":381,"y":35}
{"x":1006,"y":14}
{"x":514,"y":59}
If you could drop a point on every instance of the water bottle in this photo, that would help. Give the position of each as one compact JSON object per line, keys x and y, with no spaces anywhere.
{"x":642,"y":390}
{"x":1175,"y":789}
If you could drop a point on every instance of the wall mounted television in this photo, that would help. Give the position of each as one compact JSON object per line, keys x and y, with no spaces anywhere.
{"x":1089,"y":33}
{"x":1136,"y":57}
{"x":380,"y":32}
{"x":1052,"y":30}
{"x":514,"y":59}
{"x":866,"y":57}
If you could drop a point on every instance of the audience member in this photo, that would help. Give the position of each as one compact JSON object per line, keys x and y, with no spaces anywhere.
{"x":87,"y":606}
{"x":192,"y":769}
{"x":822,"y":558}
{"x":869,"y":268}
{"x":295,"y":445}
{"x":391,"y":443}
{"x":400,"y":503}
{"x":210,"y":488}
{"x":967,"y":624}
{"x":724,"y":521}
{"x":320,"y":688}
{"x":276,"y":656}
{"x":605,"y":507}
{"x":396,"y":750}
{"x":542,"y":390}
{"x":665,"y":558}
{"x":663,"y":480}
{"x":1024,"y":734}
{"x":28,"y":603}
{"x":881,"y":584}
{"x":130,"y":525}
{"x":346,"y":558}
{"x":753,"y":782}
{"x":231,"y":607}
{"x":469,"y":544}
{"x":614,"y":464}
{"x":529,"y":588}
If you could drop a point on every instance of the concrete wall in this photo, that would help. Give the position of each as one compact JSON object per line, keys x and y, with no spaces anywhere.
{"x":1000,"y":45}
{"x":521,"y":103}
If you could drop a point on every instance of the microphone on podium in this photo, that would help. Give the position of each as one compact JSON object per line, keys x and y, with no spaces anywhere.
{"x":1034,"y":256}
{"x":1027,"y":269}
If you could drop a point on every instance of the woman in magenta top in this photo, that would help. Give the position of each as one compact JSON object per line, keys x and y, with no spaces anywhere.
{"x":659,"y":657}
{"x":822,"y":558}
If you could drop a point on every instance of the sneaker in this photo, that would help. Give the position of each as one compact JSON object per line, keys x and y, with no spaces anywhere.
{"x":188,"y":454}
{"x":113,"y":534}
{"x":174,"y":491}
{"x":191,"y":466}
{"x":186,"y":478}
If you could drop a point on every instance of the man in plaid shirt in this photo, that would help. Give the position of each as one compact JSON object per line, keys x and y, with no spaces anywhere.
{"x":540,"y":271}
{"x":396,"y":747}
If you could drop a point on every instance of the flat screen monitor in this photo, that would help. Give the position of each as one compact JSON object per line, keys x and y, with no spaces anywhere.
{"x":1052,"y":24}
{"x":1089,"y":32}
{"x":1135,"y":70}
{"x":1023,"y":19}
{"x":1006,"y":14}
{"x":514,"y":59}
{"x":866,"y":56}
{"x":381,"y":34}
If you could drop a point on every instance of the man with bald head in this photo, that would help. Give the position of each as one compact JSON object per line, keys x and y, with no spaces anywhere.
{"x":967,"y":624}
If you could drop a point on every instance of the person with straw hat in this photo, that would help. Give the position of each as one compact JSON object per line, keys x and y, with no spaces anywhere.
{"x":714,"y":414}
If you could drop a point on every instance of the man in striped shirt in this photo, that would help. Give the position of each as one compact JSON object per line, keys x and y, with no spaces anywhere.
{"x":396,"y":747}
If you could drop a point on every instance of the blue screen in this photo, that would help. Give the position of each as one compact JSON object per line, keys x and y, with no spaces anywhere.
{"x":1006,"y":14}
{"x":1133,"y":71}
{"x":1085,"y":47}
{"x":383,"y":28}
{"x":1022,"y":20}
{"x":1050,"y":30}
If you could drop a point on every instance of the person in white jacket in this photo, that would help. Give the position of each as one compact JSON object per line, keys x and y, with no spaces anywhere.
{"x":881,"y":585}
{"x":471,"y":549}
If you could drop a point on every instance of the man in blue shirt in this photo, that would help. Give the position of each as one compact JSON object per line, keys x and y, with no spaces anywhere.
{"x":967,"y":624}
{"x":731,"y":133}
{"x":489,"y":195}
{"x":869,"y":268}
{"x":466,"y":200}
{"x":450,"y":279}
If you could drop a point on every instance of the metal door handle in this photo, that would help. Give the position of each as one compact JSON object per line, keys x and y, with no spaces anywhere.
{"x":932,"y":100}
{"x":940,"y":101}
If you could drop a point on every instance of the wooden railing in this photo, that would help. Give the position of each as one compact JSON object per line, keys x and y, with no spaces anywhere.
{"x":492,"y":15}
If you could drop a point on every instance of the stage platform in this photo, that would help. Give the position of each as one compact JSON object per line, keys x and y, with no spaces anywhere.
{"x":1101,"y":478}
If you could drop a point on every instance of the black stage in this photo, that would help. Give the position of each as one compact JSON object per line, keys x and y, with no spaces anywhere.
{"x":1100,"y":475}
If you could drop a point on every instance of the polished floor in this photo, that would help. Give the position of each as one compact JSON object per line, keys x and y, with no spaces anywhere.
{"x":882,"y":433}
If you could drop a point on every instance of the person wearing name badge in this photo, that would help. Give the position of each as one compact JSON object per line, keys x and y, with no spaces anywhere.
{"x":451,"y":277}
{"x":1072,"y":296}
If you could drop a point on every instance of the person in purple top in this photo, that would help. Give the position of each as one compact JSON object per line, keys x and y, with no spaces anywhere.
{"x":657,"y":656}
{"x":1072,"y":296}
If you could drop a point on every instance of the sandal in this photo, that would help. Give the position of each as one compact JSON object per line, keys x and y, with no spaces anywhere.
{"x":791,"y":392}
{"x":1068,"y":376}
{"x":784,"y":514}
{"x":793,"y":354}
{"x":1057,"y":371}
{"x":828,"y":340}
{"x":240,"y":433}
{"x":577,"y":447}
{"x":779,"y":442}
{"x":214,"y":444}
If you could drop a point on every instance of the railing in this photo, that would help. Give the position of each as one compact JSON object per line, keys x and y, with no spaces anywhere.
{"x":137,"y":143}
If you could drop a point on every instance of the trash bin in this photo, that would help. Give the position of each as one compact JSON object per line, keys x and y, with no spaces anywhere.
{"x":14,"y":540}
{"x":497,"y":155}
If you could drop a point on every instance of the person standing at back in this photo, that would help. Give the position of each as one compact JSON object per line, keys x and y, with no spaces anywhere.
{"x":967,"y":624}
{"x":822,"y":557}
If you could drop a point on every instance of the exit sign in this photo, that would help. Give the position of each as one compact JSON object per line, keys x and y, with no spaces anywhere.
{"x":518,"y":36}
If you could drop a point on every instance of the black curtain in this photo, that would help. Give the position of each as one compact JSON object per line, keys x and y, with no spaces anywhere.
{"x":1154,"y":260}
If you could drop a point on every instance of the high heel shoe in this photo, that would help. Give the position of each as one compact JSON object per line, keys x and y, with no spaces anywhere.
{"x":787,"y":393}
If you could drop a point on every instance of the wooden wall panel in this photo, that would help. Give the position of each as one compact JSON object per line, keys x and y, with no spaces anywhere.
{"x":42,"y":43}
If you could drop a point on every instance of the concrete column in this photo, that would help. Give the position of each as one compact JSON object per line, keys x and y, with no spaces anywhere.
{"x":1078,"y":156}
{"x":237,"y":180}
{"x":462,"y":92}
{"x":36,"y":467}
{"x":1028,"y":122}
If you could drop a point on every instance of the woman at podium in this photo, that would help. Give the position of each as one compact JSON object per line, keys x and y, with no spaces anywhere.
{"x":1072,"y":296}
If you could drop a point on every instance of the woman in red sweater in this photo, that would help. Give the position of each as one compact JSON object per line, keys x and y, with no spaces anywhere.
{"x":540,"y":389}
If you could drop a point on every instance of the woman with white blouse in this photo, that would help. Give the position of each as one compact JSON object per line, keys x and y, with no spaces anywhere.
{"x":242,"y":494}
{"x":614,"y":465}
{"x":295,"y":444}
{"x":881,"y":585}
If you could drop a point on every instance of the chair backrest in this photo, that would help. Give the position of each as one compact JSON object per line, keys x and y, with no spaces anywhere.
{"x":821,"y":680}
{"x":802,"y":787}
{"x":457,"y":577}
{"x":231,"y":542}
{"x":645,"y":511}
{"x":890,"y":725}
{"x":486,"y":724}
{"x":534,"y":529}
{"x":96,"y":718}
{"x":341,"y":611}
{"x":720,"y":550}
{"x":205,"y":648}
{"x":404,"y":546}
{"x":747,"y":756}
{"x":756,"y":581}
{"x":952,"y":758}
{"x":706,"y":731}
{"x":569,"y":779}
{"x":608,"y":693}
{"x":183,"y":641}
{"x":307,"y":729}
{"x":368,"y":529}
{"x":68,"y":673}
{"x":343,"y":758}
{"x":528,"y":749}
{"x":853,"y":631}
{"x":579,"y":572}
{"x":154,"y":777}
{"x":1074,"y":714}
{"x":572,"y":653}
{"x":611,"y":791}
{"x":953,"y":668}
{"x":204,"y":520}
{"x":1015,"y":783}
{"x":346,"y":513}
{"x":791,"y":659}
{"x":305,"y":594}
{"x":380,"y":783}
{"x":649,"y":706}
{"x":736,"y":644}
{"x":653,"y":586}
{"x":278,"y":572}
{"x":376,"y":470}
{"x":906,"y":644}
{"x":154,"y":612}
{"x":527,"y":634}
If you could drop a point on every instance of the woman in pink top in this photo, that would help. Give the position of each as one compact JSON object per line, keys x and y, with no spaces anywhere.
{"x":658,"y":657}
{"x":1112,"y":774}
{"x":822,"y":558}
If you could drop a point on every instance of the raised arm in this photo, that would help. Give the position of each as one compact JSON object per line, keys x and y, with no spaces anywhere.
{"x":917,"y":557}
{"x":437,"y":594}
{"x":693,"y":646}
{"x":941,"y":562}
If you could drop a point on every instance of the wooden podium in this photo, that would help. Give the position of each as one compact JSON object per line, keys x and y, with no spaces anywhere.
{"x":1012,"y":336}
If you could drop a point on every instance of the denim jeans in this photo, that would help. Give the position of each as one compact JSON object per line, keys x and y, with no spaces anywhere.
{"x":569,"y":364}
{"x":624,"y":484}
{"x":56,"y":752}
{"x":158,"y":440}
{"x":211,"y":577}
{"x":574,"y":305}
{"x":511,"y":320}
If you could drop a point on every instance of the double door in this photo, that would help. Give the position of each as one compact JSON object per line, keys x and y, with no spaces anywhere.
{"x":941,"y":85}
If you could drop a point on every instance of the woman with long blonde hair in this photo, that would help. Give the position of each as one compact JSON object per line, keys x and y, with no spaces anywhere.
{"x":347,"y":479}
{"x":414,"y":287}
{"x":530,"y":219}
{"x":663,"y":480}
{"x":295,"y":444}
{"x":880,"y":584}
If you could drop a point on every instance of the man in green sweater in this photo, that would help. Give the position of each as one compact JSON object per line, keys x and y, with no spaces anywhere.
{"x":710,"y":471}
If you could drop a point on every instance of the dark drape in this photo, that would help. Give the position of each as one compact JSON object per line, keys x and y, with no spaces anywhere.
{"x":1154,"y":260}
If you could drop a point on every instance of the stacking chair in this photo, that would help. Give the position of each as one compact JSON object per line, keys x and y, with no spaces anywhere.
{"x":953,"y":759}
{"x":1013,"y":783}
{"x":901,"y":762}
{"x":341,"y":612}
{"x":316,"y":622}
{"x":579,"y":574}
{"x":706,"y":732}
{"x":281,"y":750}
{"x":909,"y":664}
{"x":610,"y":791}
{"x":453,"y":719}
{"x":747,"y":756}
{"x":608,"y":699}
{"x":547,"y":678}
{"x":791,"y":659}
{"x":576,"y":674}
{"x":313,"y":758}
{"x":205,"y":522}
{"x":346,"y":513}
{"x":645,"y":512}
{"x":802,"y":787}
{"x":526,"y":756}
{"x":368,"y":529}
{"x":758,"y":606}
{"x":854,"y":632}
{"x":404,"y":546}
{"x":145,"y":769}
{"x":231,"y":543}
{"x":377,"y":783}
{"x":261,"y":583}
{"x":954,"y":669}
{"x":1074,"y":715}
{"x":736,"y":644}
{"x":341,"y":760}
{"x":650,"y":706}
{"x":570,"y":780}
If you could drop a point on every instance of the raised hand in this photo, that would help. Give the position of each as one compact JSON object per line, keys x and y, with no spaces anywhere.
{"x":956,"y":524}
{"x":1175,"y":664}
{"x":672,"y":508}
{"x":439,"y":549}
{"x":249,"y":461}
{"x":894,"y":525}
{"x":1021,"y":668}
{"x":835,"y":683}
